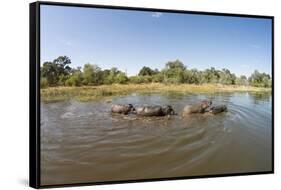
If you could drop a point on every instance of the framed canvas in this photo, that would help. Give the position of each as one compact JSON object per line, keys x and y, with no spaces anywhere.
{"x":126,"y":94}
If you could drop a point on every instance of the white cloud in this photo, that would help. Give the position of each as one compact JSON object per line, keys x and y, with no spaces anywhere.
{"x":66,"y":42}
{"x":156,"y":14}
{"x":255,"y":46}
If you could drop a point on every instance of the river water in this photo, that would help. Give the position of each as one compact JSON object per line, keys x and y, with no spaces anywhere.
{"x":83,"y":142}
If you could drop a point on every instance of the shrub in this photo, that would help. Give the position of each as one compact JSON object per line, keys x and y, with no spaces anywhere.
{"x":43,"y":82}
{"x":121,"y":78}
{"x":75,"y":79}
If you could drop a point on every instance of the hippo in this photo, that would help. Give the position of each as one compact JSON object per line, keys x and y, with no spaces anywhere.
{"x":155,"y":111}
{"x":196,"y":108}
{"x":217,"y":109}
{"x":122,"y":109}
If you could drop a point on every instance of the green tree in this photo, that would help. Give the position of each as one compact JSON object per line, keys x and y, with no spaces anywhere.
{"x":146,"y":71}
{"x":192,"y":76}
{"x":211,"y":75}
{"x":49,"y":71}
{"x":158,"y":77}
{"x":112,"y":75}
{"x":121,"y":78}
{"x":260,"y":79}
{"x":97,"y":75}
{"x":62,"y":63}
{"x":242,"y":80}
{"x":177,"y":64}
{"x":56,"y":72}
{"x":104,"y":76}
{"x":135,"y":79}
{"x":75,"y":79}
{"x":88,"y":74}
{"x":92,"y":74}
{"x":226,"y":77}
{"x":174,"y":72}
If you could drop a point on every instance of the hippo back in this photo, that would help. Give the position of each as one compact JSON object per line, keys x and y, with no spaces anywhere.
{"x":218,"y":109}
{"x":117,"y":108}
{"x":197,"y":108}
{"x":149,"y":111}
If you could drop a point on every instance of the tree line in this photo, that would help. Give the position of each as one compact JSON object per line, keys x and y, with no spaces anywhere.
{"x":59,"y":73}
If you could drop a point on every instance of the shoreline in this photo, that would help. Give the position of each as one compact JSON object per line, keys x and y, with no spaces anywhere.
{"x":90,"y":93}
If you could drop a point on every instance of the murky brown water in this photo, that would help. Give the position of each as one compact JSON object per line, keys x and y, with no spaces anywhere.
{"x":82,"y":142}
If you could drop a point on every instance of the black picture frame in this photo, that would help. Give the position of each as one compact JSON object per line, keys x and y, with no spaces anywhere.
{"x":34,"y":92}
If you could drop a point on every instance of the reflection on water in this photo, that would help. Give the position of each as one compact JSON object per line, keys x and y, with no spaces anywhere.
{"x":83,"y":142}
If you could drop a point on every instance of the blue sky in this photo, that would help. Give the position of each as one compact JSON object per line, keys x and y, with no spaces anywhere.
{"x":130,"y":40}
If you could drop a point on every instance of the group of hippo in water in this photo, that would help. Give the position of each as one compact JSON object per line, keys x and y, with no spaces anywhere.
{"x":204,"y":106}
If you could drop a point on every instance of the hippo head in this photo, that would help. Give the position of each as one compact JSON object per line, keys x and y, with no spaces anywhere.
{"x":168,"y":110}
{"x":205,"y":104}
{"x":131,"y":108}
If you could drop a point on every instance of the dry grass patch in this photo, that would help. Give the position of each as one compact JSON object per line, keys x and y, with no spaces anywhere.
{"x":87,"y":93}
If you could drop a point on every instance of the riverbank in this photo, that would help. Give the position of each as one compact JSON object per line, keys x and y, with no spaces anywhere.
{"x":88,"y":93}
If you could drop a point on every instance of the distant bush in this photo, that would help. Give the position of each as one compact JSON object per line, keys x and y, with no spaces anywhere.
{"x":158,"y":77}
{"x":62,"y":79}
{"x":75,"y":79}
{"x":59,"y":73}
{"x":121,"y":78}
{"x":258,"y":79}
{"x":242,"y":80}
{"x":43,"y":82}
{"x":135,"y":79}
{"x":140,"y":79}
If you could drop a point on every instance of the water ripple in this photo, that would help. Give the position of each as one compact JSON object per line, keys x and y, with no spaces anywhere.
{"x":84,"y":142}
